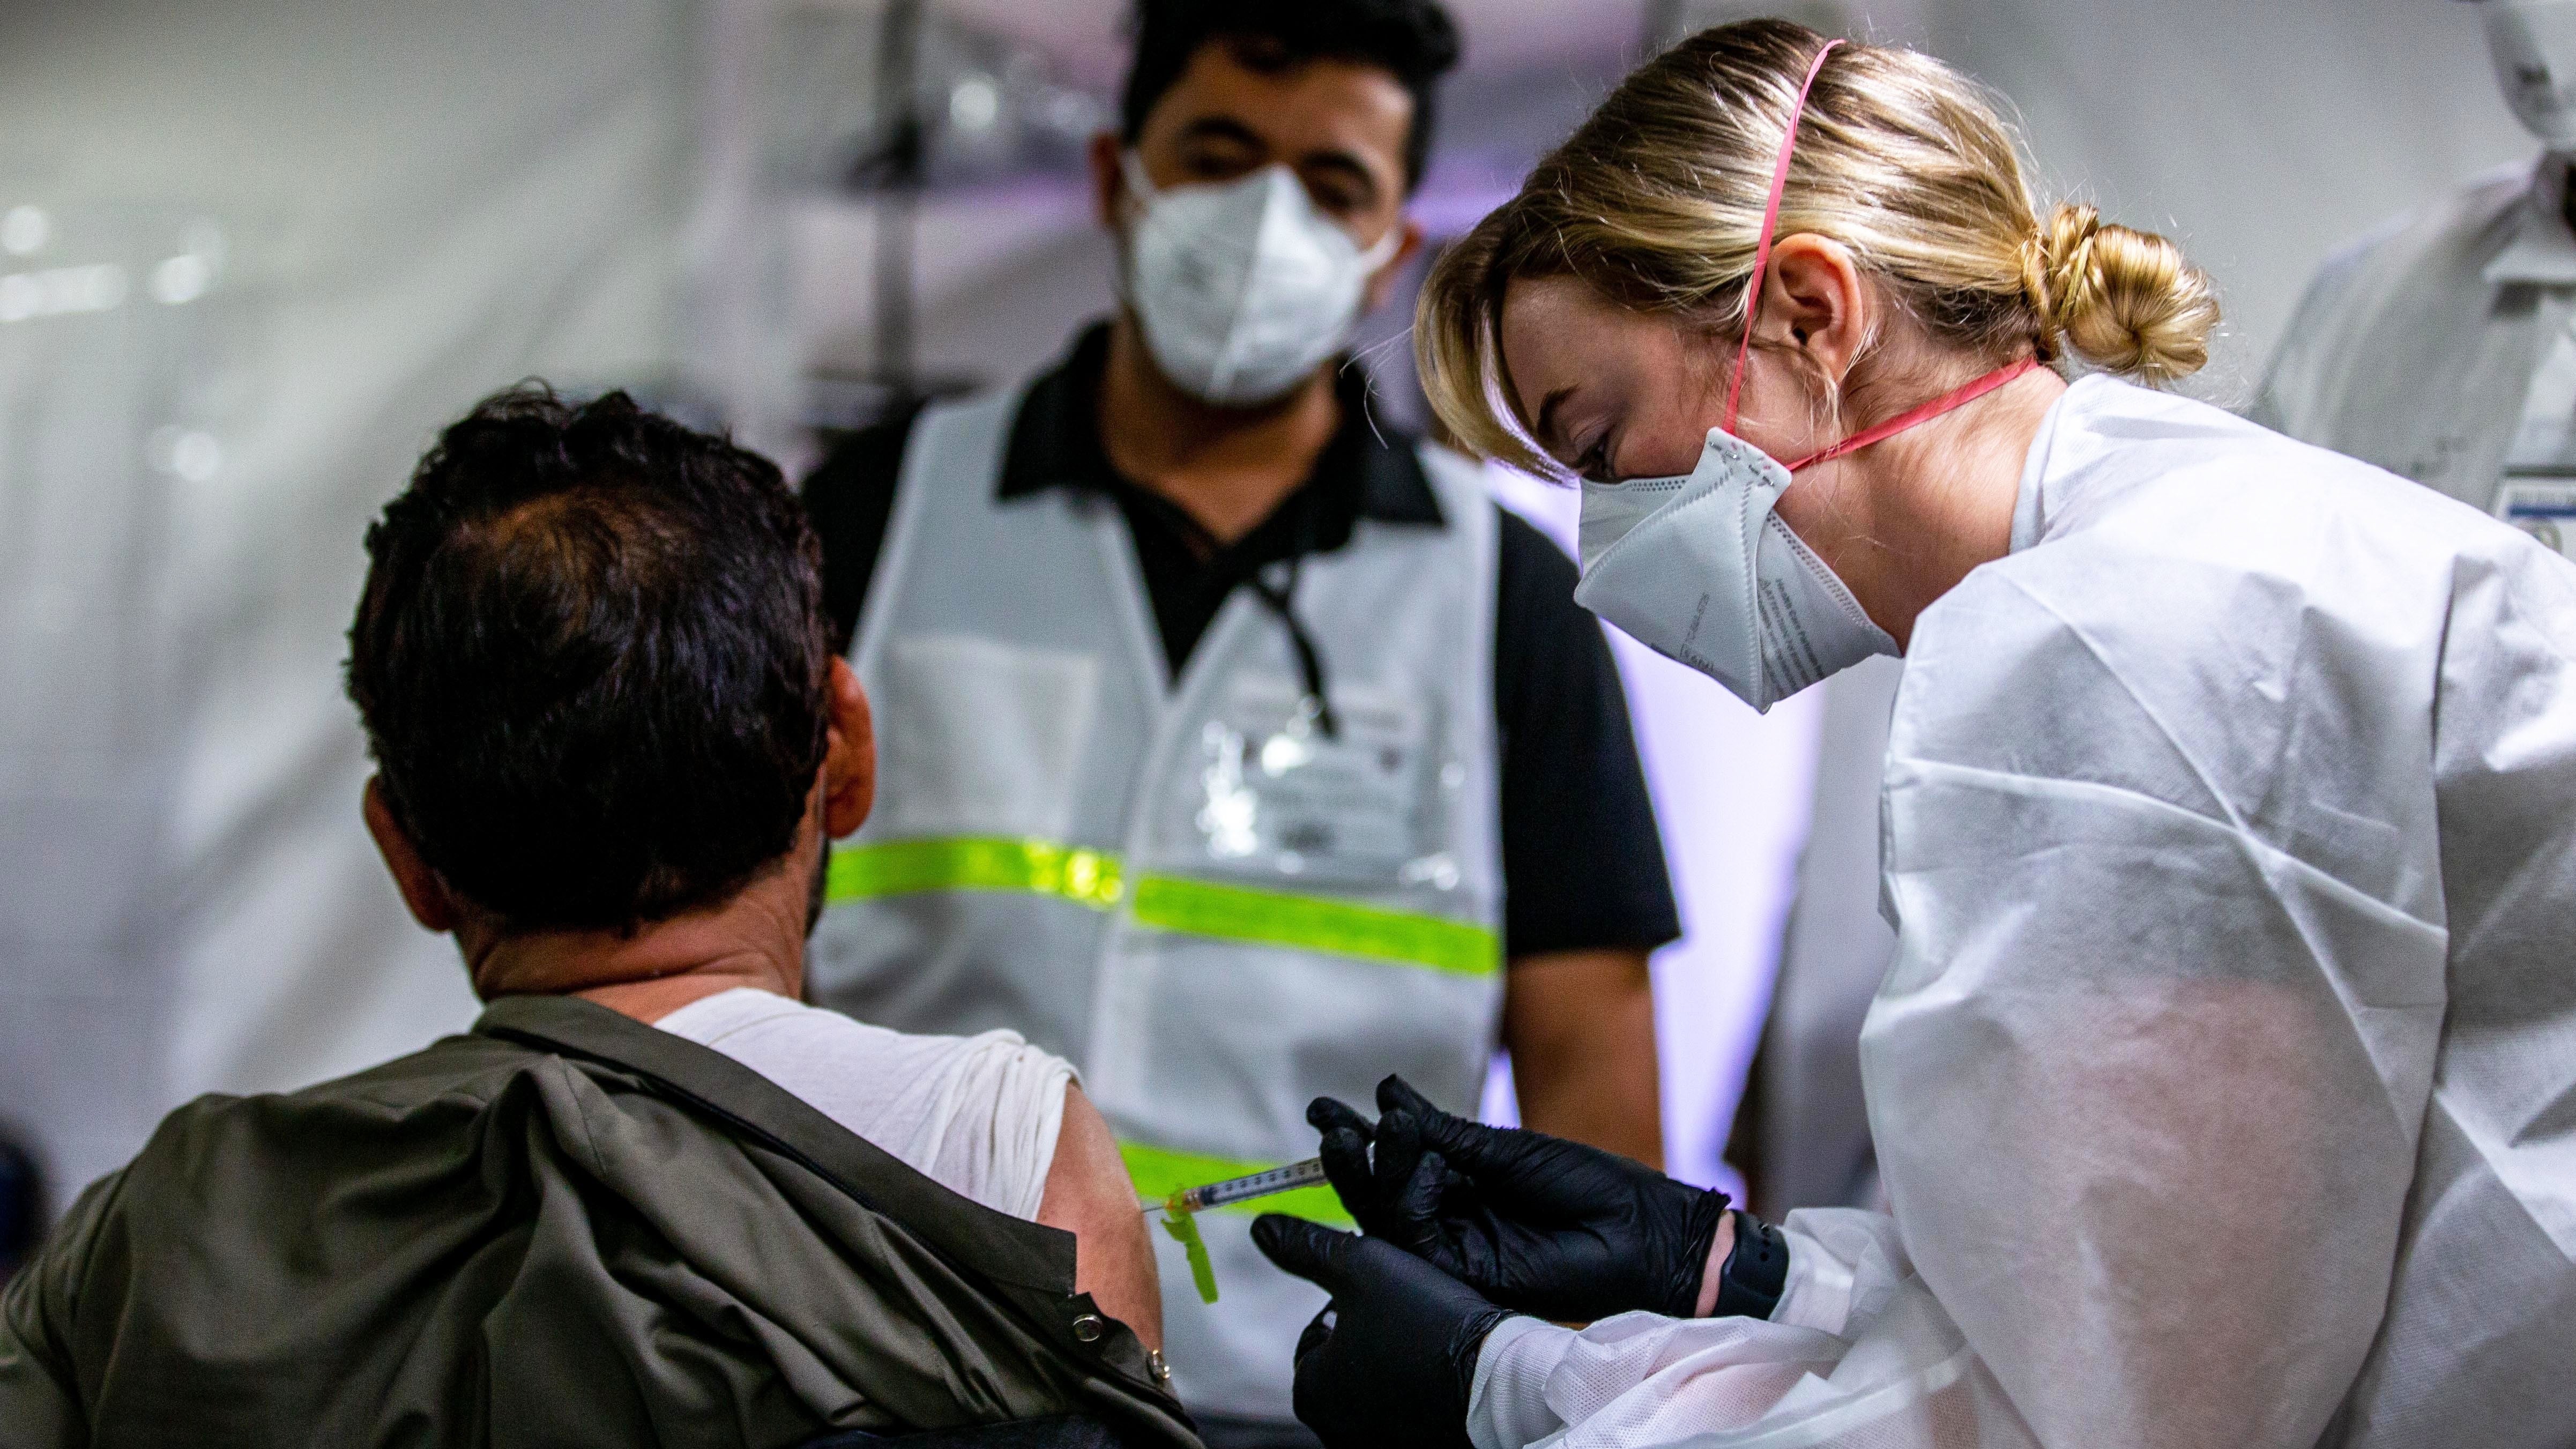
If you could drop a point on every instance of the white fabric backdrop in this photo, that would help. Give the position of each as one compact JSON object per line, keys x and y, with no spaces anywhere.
{"x":2261,"y":135}
{"x":418,"y":203}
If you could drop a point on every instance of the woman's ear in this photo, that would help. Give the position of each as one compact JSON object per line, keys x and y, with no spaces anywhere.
{"x":850,"y":760}
{"x":1815,"y":303}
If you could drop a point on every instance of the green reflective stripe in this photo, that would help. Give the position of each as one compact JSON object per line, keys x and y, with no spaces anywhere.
{"x":1159,"y":1172}
{"x":975,"y":863}
{"x":1096,"y":878}
{"x":1312,"y":923}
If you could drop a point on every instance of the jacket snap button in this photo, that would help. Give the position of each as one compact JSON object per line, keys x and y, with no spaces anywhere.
{"x":1088,"y":1328}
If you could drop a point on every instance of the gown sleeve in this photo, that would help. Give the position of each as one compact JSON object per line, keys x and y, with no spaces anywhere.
{"x":1857,"y":1353}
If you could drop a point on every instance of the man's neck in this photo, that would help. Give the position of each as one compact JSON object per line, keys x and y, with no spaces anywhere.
{"x":1228,"y":468}
{"x":755,"y":939}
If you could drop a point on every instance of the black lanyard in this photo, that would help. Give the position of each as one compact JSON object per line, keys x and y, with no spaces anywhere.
{"x":1310,"y":664}
{"x":1281,"y":598}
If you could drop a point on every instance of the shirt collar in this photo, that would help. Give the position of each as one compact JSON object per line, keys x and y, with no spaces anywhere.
{"x":1055,"y":443}
{"x":2543,"y":249}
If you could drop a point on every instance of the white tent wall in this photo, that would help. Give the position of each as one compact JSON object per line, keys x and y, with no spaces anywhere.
{"x":412,"y":204}
{"x":2261,"y":136}
{"x":1003,"y":277}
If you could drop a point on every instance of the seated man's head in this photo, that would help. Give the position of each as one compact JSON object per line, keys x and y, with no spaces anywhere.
{"x":610,"y":732}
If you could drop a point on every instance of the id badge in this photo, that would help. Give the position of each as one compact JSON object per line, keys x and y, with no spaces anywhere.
{"x":2543,"y":508}
{"x":2538,"y":491}
{"x":1280,"y":797}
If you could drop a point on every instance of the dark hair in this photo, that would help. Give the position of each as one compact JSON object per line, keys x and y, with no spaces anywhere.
{"x":1414,"y":39}
{"x":593,"y":663}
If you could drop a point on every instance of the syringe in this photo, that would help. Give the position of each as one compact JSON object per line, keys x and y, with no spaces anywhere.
{"x":1241,"y":1189}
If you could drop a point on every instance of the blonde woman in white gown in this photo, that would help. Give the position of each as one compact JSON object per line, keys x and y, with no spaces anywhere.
{"x":2225,"y":1079}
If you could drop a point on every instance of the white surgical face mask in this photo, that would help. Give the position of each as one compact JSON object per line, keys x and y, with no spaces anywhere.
{"x":2533,"y":43}
{"x":1243,"y":288}
{"x":1699,"y":569}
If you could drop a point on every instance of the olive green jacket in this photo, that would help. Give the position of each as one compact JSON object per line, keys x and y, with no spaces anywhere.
{"x":566,"y":1229}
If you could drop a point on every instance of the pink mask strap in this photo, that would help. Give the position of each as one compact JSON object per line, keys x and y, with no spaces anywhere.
{"x":1955,"y":398}
{"x":1770,"y":222}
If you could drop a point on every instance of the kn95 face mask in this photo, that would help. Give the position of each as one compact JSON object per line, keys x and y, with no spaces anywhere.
{"x":1700,"y":570}
{"x":1242,"y":288}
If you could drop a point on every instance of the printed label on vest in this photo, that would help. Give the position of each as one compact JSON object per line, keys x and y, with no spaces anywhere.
{"x":1280,"y":798}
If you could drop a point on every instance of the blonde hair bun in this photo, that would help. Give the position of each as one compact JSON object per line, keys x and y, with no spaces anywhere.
{"x":2125,"y":301}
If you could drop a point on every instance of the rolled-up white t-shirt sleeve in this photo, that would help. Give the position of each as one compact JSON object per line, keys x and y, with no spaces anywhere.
{"x":979,"y":1114}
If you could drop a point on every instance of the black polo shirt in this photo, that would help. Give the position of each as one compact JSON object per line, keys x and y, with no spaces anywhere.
{"x":1583,"y":867}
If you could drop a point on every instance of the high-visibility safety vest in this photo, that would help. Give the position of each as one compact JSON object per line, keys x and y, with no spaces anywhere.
{"x":1213,"y":907}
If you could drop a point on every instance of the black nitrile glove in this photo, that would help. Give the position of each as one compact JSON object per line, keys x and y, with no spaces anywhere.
{"x":1538,"y":1224}
{"x":1391,"y":1359}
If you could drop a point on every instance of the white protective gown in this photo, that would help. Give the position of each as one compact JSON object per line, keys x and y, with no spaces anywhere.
{"x":2225,"y":1082}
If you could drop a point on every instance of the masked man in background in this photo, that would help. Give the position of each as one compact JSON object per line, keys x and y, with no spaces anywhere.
{"x":2441,"y":347}
{"x":1236,"y":746}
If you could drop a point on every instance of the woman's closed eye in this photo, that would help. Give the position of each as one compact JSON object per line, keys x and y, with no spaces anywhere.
{"x":1593,"y":463}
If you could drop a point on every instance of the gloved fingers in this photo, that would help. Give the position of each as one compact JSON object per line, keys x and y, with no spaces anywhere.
{"x":1323,"y":1384}
{"x":1471,"y":1147}
{"x":1317,"y":1333}
{"x":1421,"y":1193}
{"x":1326,"y":1388}
{"x":1346,"y":1167}
{"x":1310,"y":1251}
{"x":1524,"y":1174}
{"x":1399,"y":1148}
{"x":1327,"y":1114}
{"x":1345,"y":1151}
{"x":1414,"y":1211}
{"x":1504,"y":1167}
{"x":1395,"y":1094}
